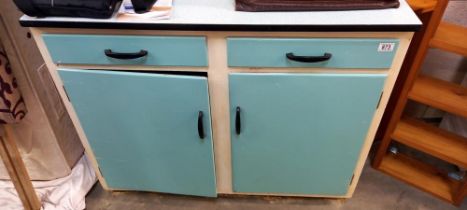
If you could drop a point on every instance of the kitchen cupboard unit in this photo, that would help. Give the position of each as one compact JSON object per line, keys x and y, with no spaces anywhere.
{"x":149,"y":132}
{"x":288,"y":107}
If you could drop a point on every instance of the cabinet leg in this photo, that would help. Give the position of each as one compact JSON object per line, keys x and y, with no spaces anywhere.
{"x":340,"y":201}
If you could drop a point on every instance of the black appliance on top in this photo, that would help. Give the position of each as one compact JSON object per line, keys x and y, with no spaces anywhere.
{"x":142,"y":6}
{"x":68,"y":8}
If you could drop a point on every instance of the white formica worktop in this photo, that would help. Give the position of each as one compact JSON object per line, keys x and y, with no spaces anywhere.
{"x":221,"y":15}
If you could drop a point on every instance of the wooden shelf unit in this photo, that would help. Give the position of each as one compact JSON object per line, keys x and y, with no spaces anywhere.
{"x":420,"y":175}
{"x":433,"y":92}
{"x":450,"y":37}
{"x":430,"y":139}
{"x":422,"y":6}
{"x":440,"y":94}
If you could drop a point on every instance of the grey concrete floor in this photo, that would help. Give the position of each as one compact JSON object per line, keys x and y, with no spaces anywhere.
{"x":375,"y":191}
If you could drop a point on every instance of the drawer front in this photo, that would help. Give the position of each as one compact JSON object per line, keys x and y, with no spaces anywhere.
{"x":340,"y":53}
{"x":161,"y":50}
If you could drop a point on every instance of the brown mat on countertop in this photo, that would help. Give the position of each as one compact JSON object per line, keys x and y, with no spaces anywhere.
{"x":312,"y":5}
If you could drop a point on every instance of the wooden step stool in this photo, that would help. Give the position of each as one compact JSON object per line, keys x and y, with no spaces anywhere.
{"x":433,"y":92}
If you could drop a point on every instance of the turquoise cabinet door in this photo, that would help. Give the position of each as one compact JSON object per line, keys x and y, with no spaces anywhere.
{"x":143,"y":129}
{"x":299,"y":133}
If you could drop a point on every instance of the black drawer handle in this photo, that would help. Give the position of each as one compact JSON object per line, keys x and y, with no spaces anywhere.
{"x":200,"y":125}
{"x":238,"y":121}
{"x":309,"y":59}
{"x":125,"y":56}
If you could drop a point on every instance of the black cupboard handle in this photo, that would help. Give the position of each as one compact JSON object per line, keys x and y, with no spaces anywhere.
{"x":238,"y":121}
{"x":125,"y":56}
{"x":200,"y":125}
{"x":309,"y":59}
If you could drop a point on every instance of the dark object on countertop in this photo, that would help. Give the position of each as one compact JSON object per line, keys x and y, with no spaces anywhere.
{"x":68,"y":8}
{"x":142,"y":6}
{"x":312,"y":5}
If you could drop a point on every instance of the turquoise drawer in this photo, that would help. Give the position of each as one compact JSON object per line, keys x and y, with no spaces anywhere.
{"x":127,"y":50}
{"x":322,"y":52}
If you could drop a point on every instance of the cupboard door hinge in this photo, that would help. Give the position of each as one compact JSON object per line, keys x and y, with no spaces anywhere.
{"x":100,"y":172}
{"x":66,"y":93}
{"x":379,"y":101}
{"x":351,"y":179}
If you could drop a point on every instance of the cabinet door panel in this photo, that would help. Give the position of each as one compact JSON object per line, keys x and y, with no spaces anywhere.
{"x":143,"y":129}
{"x":300,"y":133}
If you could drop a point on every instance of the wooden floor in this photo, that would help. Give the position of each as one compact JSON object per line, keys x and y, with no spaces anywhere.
{"x":376,"y":191}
